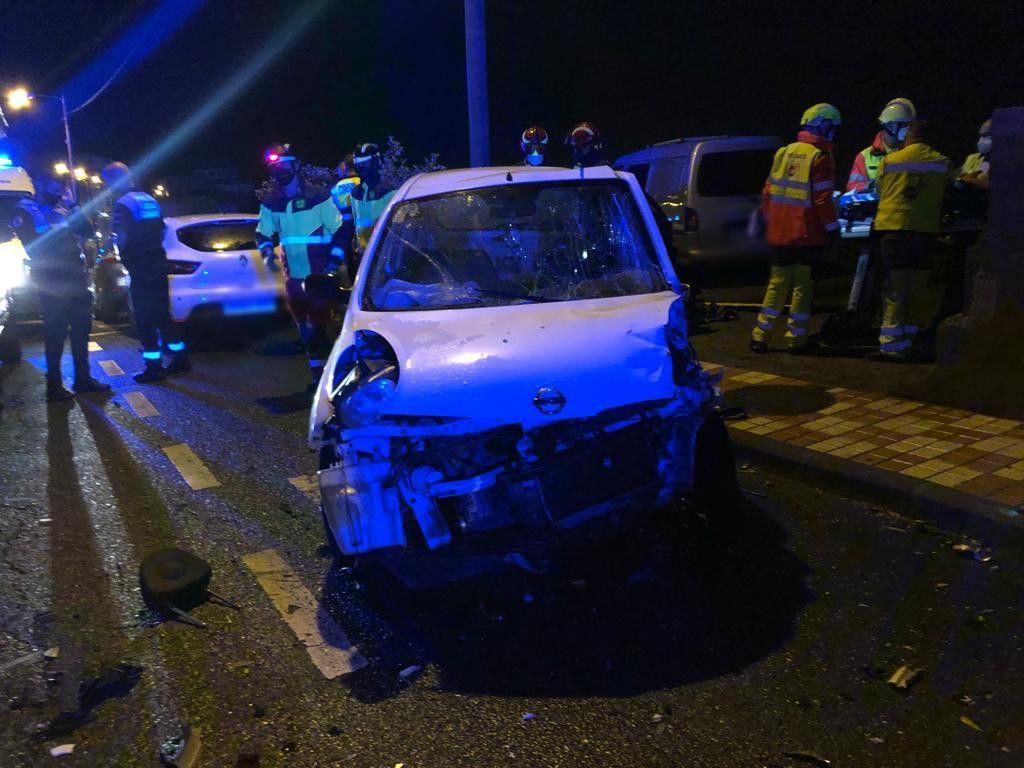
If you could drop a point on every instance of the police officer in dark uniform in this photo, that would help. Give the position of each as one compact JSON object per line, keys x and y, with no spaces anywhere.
{"x":138,"y":226}
{"x":49,"y":227}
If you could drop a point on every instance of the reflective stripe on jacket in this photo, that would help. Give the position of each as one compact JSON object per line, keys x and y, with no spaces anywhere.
{"x":797,"y":198}
{"x":366,"y":213}
{"x":911,"y":184}
{"x":307,"y":227}
{"x":865,"y":165}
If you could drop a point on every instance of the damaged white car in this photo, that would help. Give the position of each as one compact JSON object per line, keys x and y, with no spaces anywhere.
{"x":514,"y":363}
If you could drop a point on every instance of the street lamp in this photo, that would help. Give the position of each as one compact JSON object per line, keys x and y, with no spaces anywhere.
{"x":61,"y":168}
{"x":19,"y":98}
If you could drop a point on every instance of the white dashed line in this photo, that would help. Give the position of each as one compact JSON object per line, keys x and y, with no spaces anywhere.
{"x":111,"y":368}
{"x":191,"y":467}
{"x":325,"y":641}
{"x":94,"y":347}
{"x":140,"y":404}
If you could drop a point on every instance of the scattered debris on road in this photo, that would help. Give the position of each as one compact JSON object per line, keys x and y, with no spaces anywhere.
{"x":904,"y":678}
{"x":63,"y":749}
{"x":409,"y":671}
{"x":973,"y":551}
{"x":528,"y":717}
{"x":183,"y":751}
{"x":51,"y":653}
{"x":809,"y":757}
{"x":969,"y":723}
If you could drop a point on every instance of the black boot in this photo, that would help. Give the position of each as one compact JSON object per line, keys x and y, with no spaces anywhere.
{"x":56,"y":393}
{"x":89,"y":384}
{"x":179,"y":364}
{"x":154,"y":372}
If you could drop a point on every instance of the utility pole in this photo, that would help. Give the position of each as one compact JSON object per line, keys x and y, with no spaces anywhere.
{"x":476,"y":84}
{"x":67,"y":143}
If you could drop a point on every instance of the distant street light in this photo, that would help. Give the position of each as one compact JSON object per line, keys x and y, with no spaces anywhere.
{"x":61,"y":169}
{"x":81,"y":174}
{"x":20,"y":98}
{"x":96,"y":180}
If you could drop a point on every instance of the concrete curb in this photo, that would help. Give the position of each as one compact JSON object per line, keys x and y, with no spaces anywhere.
{"x":945,"y":507}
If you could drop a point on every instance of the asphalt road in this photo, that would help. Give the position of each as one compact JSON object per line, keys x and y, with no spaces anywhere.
{"x":674,"y":647}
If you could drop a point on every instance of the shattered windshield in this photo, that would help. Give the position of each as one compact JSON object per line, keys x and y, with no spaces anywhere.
{"x":514,"y":244}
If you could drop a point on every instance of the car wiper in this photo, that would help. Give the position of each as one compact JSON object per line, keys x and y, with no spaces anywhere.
{"x":521,"y":296}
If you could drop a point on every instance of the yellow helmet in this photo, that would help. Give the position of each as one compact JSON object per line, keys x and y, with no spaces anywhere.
{"x":898,"y":111}
{"x":819,"y":113}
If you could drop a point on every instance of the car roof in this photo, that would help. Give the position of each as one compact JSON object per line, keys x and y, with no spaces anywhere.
{"x":439,"y":182}
{"x":175,"y":222}
{"x":677,"y":147}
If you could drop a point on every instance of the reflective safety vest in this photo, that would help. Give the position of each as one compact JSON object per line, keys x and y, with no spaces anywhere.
{"x":911,"y":184}
{"x":798,"y":196}
{"x":975,"y":170}
{"x":865,"y":165}
{"x":306,"y":226}
{"x":366,"y":213}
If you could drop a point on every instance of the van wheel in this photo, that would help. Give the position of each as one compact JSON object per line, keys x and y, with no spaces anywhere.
{"x":716,"y":491}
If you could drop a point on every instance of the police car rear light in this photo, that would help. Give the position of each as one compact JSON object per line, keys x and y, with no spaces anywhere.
{"x":176,"y":267}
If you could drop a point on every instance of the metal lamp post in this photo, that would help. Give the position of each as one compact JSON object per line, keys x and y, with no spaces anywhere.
{"x":20,"y":98}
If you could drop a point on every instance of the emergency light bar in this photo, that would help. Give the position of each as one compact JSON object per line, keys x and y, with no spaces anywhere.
{"x":6,"y":162}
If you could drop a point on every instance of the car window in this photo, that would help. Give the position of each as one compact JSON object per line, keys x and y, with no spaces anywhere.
{"x":731,"y":174}
{"x":667,"y":176}
{"x":514,"y":244}
{"x":217,"y":236}
{"x":639,"y":170}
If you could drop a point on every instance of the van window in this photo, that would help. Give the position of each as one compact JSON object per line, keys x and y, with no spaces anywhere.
{"x":667,"y":176}
{"x":732,"y":174}
{"x":640,"y":171}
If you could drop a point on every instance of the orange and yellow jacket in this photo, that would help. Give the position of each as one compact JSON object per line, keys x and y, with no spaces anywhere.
{"x":797,"y":197}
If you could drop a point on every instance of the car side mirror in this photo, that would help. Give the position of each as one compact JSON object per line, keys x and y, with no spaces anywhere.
{"x":327,"y":287}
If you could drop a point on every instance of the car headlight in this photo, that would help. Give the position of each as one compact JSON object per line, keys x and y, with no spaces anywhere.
{"x":13,"y":269}
{"x":364,"y":378}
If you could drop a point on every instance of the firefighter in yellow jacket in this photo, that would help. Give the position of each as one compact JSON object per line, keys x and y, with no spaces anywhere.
{"x":974,"y":171}
{"x":911,"y":185}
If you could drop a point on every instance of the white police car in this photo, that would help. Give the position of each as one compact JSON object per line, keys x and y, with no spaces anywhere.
{"x":215,"y":269}
{"x":514,"y":363}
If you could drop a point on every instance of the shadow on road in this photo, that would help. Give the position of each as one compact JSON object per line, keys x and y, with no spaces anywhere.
{"x":650,"y":611}
{"x":780,"y":399}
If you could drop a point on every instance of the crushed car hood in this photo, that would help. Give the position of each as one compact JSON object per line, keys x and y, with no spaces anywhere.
{"x":529,"y":363}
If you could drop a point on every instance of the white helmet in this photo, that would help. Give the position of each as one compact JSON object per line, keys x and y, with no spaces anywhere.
{"x":15,"y":182}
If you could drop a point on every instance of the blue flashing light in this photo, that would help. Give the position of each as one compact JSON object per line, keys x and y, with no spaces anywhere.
{"x":176,"y":346}
{"x":6,"y":162}
{"x":151,"y":355}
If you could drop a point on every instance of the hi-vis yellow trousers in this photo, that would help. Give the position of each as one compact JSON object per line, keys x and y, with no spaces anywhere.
{"x":795,"y":279}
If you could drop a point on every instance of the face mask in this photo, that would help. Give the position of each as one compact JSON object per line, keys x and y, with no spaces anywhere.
{"x":535,"y":158}
{"x":985,"y":145}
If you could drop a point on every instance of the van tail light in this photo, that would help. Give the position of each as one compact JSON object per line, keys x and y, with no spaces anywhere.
{"x":176,"y":267}
{"x":691,"y":221}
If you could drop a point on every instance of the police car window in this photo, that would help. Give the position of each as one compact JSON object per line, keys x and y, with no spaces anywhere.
{"x":219,"y":236}
{"x":666,"y":177}
{"x":731,"y":174}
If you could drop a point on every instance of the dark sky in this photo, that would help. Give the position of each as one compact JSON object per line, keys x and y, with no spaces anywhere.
{"x":643,"y":71}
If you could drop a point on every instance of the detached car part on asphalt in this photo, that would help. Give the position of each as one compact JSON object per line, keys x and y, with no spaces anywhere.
{"x":514,"y":362}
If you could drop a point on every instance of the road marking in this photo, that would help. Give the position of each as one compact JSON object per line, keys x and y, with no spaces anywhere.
{"x":94,"y":347}
{"x":111,"y":368}
{"x":140,"y":404}
{"x":307,"y":485}
{"x":191,"y":467}
{"x":325,"y":641}
{"x":104,"y":333}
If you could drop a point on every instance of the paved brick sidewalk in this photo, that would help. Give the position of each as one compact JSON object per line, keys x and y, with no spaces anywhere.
{"x":976,"y":454}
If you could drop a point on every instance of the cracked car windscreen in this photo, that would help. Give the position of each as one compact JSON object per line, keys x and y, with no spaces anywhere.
{"x":514,"y":244}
